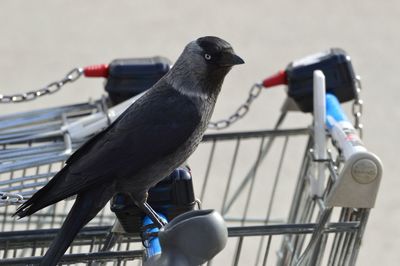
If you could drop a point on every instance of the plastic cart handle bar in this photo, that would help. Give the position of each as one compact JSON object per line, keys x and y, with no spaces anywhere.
{"x":359,"y":179}
{"x":192,"y":238}
{"x":343,"y":132}
{"x":89,"y":125}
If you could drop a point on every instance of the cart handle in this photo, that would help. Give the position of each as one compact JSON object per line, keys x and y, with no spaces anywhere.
{"x":358,"y":182}
{"x":342,"y":131}
{"x":192,"y":238}
{"x":91,"y":124}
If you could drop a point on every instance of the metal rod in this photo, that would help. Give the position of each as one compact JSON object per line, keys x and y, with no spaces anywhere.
{"x":207,"y":174}
{"x":263,"y":154}
{"x":230,"y":176}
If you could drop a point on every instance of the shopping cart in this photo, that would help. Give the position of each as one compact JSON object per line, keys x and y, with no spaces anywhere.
{"x":291,"y":195}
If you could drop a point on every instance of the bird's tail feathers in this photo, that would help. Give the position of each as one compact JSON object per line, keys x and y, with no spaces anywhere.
{"x":45,"y":196}
{"x":87,"y":205}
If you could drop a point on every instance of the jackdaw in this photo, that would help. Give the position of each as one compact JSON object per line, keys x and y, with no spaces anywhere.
{"x":155,"y":135}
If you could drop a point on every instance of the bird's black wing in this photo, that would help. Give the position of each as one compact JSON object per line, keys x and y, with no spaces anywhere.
{"x":150,"y":129}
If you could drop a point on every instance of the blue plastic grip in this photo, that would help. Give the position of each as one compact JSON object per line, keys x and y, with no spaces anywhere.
{"x":153,"y":243}
{"x":334,"y":110}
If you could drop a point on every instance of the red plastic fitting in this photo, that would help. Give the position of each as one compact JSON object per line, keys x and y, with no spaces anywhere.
{"x":277,"y":79}
{"x":96,"y":71}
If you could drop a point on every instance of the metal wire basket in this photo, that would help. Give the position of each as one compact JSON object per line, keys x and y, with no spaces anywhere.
{"x":253,"y":199}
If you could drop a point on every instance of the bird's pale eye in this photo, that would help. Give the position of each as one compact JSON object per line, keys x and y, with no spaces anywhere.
{"x":207,"y":56}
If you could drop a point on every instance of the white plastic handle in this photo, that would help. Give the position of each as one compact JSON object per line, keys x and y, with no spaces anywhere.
{"x":89,"y":125}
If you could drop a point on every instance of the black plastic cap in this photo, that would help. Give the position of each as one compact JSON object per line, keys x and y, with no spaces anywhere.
{"x":339,"y":75}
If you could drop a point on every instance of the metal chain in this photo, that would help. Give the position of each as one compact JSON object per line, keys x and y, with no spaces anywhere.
{"x":357,"y":107}
{"x":243,"y":109}
{"x":51,"y":88}
{"x":10,"y":198}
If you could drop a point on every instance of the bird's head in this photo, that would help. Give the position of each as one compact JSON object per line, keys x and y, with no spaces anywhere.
{"x":205,"y":62}
{"x":211,"y":56}
{"x":215,"y":52}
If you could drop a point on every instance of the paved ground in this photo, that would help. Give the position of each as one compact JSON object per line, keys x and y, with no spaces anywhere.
{"x":42,"y":40}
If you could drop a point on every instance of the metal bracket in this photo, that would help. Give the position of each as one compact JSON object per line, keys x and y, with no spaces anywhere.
{"x":358,"y":182}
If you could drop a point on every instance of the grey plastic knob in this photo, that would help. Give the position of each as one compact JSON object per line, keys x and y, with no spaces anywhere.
{"x":191,"y":239}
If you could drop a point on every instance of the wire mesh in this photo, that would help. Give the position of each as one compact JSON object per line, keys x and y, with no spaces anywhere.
{"x":33,"y":150}
{"x":265,"y":227}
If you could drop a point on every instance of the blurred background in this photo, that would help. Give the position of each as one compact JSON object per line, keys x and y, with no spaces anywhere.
{"x":42,"y":40}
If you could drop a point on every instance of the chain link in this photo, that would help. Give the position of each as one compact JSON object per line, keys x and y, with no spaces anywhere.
{"x":51,"y":88}
{"x":357,"y":107}
{"x":10,"y":198}
{"x":243,"y":109}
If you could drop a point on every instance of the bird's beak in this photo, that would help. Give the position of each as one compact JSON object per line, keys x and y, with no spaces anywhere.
{"x":230,"y":59}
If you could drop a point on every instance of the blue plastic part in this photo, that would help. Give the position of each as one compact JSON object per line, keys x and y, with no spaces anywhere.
{"x":153,"y":243}
{"x":334,"y":110}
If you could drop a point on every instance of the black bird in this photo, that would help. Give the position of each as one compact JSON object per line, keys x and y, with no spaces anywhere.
{"x":156,"y":134}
